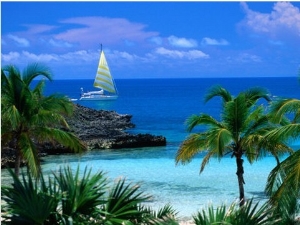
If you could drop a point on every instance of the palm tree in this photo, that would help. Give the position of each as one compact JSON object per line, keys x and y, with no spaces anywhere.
{"x":283,"y":185}
{"x":29,"y":118}
{"x":239,"y":132}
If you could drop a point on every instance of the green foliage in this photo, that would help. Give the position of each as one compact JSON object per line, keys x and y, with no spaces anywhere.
{"x":251,"y":214}
{"x":74,"y":198}
{"x":29,"y":201}
{"x":80,"y":194}
{"x":240,"y":132}
{"x":123,"y":204}
{"x":211,"y":216}
{"x":164,"y":215}
{"x":248,"y":214}
{"x":283,"y":184}
{"x":28,"y":117}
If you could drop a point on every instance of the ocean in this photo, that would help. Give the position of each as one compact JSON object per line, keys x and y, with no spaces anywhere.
{"x":160,"y":107}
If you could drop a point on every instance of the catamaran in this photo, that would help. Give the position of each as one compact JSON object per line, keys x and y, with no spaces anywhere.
{"x":104,"y":81}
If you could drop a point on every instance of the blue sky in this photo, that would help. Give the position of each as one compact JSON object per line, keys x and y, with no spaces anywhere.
{"x":154,"y":39}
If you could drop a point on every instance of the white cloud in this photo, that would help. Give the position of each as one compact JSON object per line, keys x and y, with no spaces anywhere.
{"x":10,"y":57}
{"x":91,"y":30}
{"x":192,"y":54}
{"x":25,"y":56}
{"x":244,"y":58}
{"x":39,"y":57}
{"x":182,"y":42}
{"x":75,"y":58}
{"x":78,"y":57}
{"x":22,"y":42}
{"x":124,"y":55}
{"x":210,"y":41}
{"x":284,"y":17}
{"x":60,"y":43}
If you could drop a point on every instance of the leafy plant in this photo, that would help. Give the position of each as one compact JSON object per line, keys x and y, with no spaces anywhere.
{"x":29,"y":201}
{"x":248,"y":214}
{"x":211,"y":216}
{"x":164,"y":215}
{"x":80,"y":194}
{"x":124,"y":204}
{"x":69,"y":197}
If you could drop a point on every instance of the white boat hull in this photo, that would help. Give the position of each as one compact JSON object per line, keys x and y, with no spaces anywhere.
{"x":98,"y":98}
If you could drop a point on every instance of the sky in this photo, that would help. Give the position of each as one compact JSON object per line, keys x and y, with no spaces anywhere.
{"x":154,"y":39}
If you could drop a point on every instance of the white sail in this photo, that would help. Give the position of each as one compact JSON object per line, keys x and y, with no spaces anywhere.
{"x":103,"y":81}
{"x":103,"y":78}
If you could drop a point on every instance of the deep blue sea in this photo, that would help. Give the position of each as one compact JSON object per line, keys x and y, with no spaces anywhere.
{"x":160,"y":107}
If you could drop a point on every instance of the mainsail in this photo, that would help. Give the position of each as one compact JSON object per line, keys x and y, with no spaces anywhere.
{"x":103,"y":78}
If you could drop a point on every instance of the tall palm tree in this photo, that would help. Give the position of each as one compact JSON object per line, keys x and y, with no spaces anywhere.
{"x":239,"y":132}
{"x":28,"y":117}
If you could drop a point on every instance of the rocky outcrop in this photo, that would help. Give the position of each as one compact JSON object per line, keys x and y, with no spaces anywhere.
{"x":101,"y":129}
{"x":98,"y":129}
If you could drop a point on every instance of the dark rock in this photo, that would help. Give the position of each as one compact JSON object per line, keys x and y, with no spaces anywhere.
{"x":101,"y":129}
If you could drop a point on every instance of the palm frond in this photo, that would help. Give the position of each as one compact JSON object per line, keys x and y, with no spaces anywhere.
{"x":57,"y":103}
{"x":286,"y":208}
{"x":235,"y":114}
{"x":11,"y":115}
{"x":30,"y":153}
{"x":252,"y":214}
{"x":193,"y":145}
{"x":123,"y":204}
{"x":218,"y":91}
{"x":256,"y":93}
{"x":25,"y":202}
{"x":82,"y":194}
{"x":285,"y":177}
{"x":203,"y":119}
{"x":34,"y":70}
{"x":49,"y":119}
{"x":211,"y":216}
{"x":164,"y":215}
{"x":282,"y":107}
{"x":256,"y":120}
{"x":219,"y":141}
{"x":205,"y":160}
{"x":67,"y":139}
{"x":284,"y":133}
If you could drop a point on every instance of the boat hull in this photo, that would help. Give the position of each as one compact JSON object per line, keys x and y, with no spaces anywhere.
{"x":99,"y":98}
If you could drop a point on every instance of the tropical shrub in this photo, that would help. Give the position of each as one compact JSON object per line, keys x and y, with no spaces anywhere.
{"x":71,"y":198}
{"x":248,"y":214}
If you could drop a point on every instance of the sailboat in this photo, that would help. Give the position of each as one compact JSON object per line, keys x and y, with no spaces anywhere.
{"x":104,"y":81}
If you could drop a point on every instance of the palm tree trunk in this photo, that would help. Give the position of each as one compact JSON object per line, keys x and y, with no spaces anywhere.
{"x":14,"y":145}
{"x":240,"y":175}
{"x":17,"y":162}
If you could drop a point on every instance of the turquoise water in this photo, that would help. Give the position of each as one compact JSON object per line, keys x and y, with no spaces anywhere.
{"x":160,"y":107}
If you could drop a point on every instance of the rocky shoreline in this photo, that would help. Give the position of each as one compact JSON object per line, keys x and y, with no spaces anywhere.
{"x":101,"y":129}
{"x":98,"y":129}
